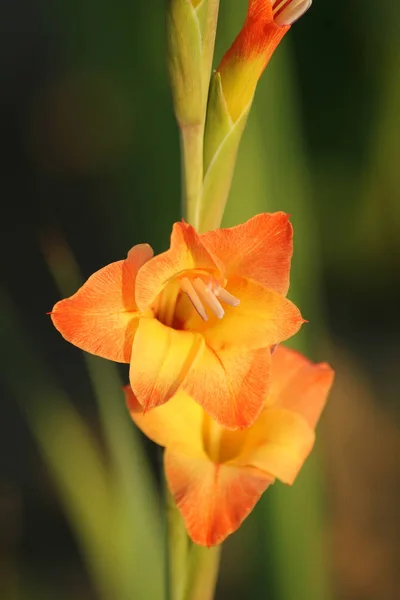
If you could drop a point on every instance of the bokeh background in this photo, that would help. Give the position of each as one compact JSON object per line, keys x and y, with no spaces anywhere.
{"x":90,"y":166}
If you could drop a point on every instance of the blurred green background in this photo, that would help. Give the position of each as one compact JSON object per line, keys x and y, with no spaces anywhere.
{"x":90,"y":167}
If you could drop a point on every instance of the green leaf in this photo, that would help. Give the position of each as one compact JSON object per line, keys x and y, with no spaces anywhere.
{"x":108,"y":500}
{"x":136,"y":514}
{"x":222,"y":139}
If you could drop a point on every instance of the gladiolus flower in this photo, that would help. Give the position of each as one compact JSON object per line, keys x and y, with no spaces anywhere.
{"x":200,"y":317}
{"x":217,"y":476}
{"x":266,"y":23}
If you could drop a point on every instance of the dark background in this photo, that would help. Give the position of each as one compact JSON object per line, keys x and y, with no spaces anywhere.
{"x":90,"y":167}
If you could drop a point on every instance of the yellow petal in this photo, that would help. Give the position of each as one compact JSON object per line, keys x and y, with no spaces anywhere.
{"x":277,"y":444}
{"x":161,"y":360}
{"x":263,"y":318}
{"x":177,"y":424}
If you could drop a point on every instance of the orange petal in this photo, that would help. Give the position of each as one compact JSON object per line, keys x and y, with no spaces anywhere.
{"x":101,"y":317}
{"x":186,"y":252}
{"x":162,"y":358}
{"x":260,"y":249}
{"x":213,"y":499}
{"x":299,"y":385}
{"x":263,"y":318}
{"x":278,"y":444}
{"x":231,"y":385}
{"x":177,"y":424}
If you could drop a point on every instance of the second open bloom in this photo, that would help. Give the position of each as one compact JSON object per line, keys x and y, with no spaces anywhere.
{"x":217,"y":476}
{"x":199,"y":318}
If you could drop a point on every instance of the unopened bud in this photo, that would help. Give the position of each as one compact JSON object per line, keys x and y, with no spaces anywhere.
{"x":266,"y":23}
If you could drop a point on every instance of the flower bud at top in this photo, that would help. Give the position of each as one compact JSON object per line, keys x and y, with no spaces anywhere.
{"x":191,"y":29}
{"x":184,"y":48}
{"x":266,"y":23}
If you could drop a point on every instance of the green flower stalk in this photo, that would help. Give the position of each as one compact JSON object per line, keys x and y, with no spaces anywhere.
{"x":191,"y":30}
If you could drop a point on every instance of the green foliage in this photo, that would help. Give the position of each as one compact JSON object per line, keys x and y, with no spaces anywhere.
{"x":110,"y":497}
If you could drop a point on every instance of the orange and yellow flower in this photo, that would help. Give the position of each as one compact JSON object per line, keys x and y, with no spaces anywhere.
{"x":266,"y":23}
{"x":199,"y":318}
{"x":216,"y":486}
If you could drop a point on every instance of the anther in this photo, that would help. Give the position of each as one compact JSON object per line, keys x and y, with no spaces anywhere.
{"x":208,"y":296}
{"x":193,"y":296}
{"x":226,"y":297}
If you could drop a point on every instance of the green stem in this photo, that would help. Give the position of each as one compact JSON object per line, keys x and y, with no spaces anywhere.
{"x":203,"y":573}
{"x":192,"y":570}
{"x":177,"y":550}
{"x":192,"y":139}
{"x":192,"y":135}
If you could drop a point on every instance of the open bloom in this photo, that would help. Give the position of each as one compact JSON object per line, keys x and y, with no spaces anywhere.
{"x":200,"y":317}
{"x":217,"y":476}
{"x":266,"y":23}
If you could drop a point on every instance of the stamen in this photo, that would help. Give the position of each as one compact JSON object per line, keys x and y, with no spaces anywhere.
{"x":207,"y":295}
{"x":286,"y":12}
{"x":188,"y":288}
{"x":226,"y":297}
{"x":200,"y":293}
